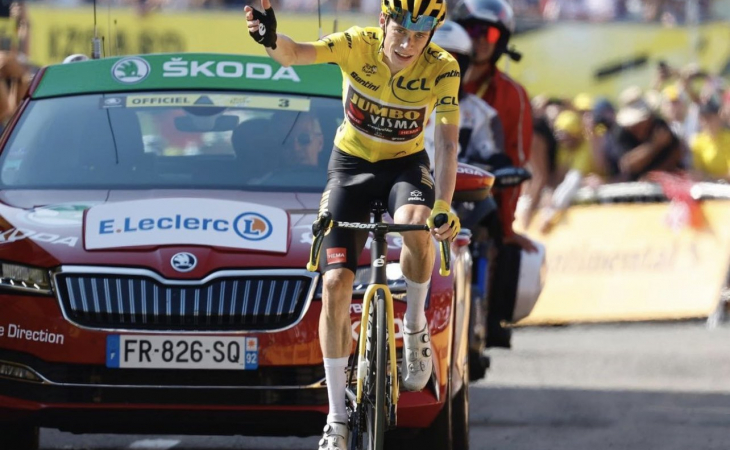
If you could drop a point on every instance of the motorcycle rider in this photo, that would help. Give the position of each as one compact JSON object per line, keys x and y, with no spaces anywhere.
{"x":490,"y":24}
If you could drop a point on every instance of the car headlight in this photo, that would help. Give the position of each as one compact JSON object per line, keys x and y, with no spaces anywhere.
{"x":396,"y":280}
{"x":24,"y":278}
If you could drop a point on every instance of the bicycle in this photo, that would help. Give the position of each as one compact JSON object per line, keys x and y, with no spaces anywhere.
{"x":372,"y":406}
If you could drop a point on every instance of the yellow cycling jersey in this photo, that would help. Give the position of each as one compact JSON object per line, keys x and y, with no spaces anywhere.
{"x":385,"y":113}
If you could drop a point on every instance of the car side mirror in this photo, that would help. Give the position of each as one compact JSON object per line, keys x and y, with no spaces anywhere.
{"x":472,"y":183}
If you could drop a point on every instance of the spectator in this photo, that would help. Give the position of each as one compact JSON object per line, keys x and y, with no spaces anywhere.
{"x":542,"y":161}
{"x":577,"y":164}
{"x":574,"y":150}
{"x":15,"y":80}
{"x":697,"y":87}
{"x":711,"y":147}
{"x":669,"y":12}
{"x":528,"y":8}
{"x":674,"y":110}
{"x":664,"y":76}
{"x":554,"y":107}
{"x":674,"y":12}
{"x":539,"y":103}
{"x":583,"y":103}
{"x":643,"y":143}
{"x":593,"y":10}
{"x":600,"y":126}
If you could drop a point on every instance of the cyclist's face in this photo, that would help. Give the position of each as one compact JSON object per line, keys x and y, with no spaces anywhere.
{"x":401,"y":47}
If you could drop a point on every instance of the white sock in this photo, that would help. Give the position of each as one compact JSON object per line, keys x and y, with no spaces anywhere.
{"x":334,"y":372}
{"x":416,"y":293}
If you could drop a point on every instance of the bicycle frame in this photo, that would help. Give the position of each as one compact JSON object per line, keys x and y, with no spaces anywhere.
{"x":378,"y":280}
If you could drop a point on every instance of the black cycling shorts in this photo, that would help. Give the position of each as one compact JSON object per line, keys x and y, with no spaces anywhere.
{"x":354,"y":183}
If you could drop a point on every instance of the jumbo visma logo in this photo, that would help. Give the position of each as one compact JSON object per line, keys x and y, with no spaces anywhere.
{"x":394,"y":123}
{"x":251,"y":226}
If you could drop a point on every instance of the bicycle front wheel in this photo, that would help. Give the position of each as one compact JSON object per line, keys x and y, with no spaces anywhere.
{"x":378,"y":410}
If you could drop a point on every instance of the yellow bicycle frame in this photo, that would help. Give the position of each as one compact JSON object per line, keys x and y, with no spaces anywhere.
{"x":369,"y":295}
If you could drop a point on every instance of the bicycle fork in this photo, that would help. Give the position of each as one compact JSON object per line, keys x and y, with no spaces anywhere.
{"x":362,"y":362}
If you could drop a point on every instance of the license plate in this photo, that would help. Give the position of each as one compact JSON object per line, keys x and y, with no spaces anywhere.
{"x":181,"y":352}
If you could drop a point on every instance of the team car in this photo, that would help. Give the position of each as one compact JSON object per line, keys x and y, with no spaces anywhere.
{"x":155,"y":224}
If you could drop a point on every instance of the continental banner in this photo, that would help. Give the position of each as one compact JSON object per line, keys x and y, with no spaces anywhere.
{"x":560,"y":59}
{"x":620,"y":262}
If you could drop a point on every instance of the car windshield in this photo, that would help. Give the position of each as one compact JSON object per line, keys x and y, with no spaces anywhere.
{"x":172,"y":140}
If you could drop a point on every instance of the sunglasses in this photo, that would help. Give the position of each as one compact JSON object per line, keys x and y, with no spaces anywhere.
{"x":483,"y":30}
{"x":405,"y":19}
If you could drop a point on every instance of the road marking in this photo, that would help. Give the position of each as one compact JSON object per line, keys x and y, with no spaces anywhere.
{"x":155,"y":444}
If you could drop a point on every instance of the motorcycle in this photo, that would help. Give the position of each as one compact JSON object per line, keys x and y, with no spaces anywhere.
{"x":481,"y":218}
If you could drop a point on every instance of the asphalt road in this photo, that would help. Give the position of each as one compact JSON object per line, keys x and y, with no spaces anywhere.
{"x":599,"y":387}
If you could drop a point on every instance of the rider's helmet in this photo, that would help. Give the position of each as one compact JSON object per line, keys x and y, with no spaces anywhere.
{"x":491,"y":18}
{"x":453,"y":38}
{"x":415,"y":15}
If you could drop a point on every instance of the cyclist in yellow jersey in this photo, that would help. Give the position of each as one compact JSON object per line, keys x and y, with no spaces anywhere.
{"x":393,"y":78}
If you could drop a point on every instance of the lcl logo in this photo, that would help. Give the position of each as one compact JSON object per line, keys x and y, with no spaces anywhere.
{"x":448,"y":101}
{"x":412,"y":85}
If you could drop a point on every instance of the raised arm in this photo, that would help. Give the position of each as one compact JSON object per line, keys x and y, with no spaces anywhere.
{"x":284,"y":50}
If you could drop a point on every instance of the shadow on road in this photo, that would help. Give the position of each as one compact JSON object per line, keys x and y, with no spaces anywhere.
{"x":511,"y":418}
{"x":570,"y":419}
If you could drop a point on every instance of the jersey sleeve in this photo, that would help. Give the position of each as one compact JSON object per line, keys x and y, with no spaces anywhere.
{"x":447,"y":94}
{"x":335,"y":47}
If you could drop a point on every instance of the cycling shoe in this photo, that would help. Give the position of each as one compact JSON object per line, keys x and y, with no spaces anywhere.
{"x":335,"y":437}
{"x":417,"y":363}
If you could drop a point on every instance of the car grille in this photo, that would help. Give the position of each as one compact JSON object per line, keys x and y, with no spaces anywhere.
{"x":225,"y":301}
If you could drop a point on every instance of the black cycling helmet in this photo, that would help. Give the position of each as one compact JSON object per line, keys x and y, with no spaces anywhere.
{"x":489,"y":13}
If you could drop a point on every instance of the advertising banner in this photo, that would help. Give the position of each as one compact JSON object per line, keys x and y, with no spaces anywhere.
{"x":620,"y":262}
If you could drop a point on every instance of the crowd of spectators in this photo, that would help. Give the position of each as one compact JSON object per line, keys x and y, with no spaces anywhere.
{"x":680,"y":123}
{"x":669,"y":12}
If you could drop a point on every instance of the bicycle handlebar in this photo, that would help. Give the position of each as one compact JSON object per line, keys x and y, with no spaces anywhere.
{"x":324,"y":223}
